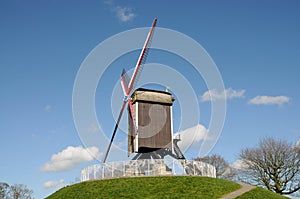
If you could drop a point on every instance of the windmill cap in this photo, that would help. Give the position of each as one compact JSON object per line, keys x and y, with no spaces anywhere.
{"x":152,"y":96}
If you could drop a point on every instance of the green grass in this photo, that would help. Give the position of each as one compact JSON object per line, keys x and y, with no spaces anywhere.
{"x":159,"y":187}
{"x":260,"y":193}
{"x":149,"y":187}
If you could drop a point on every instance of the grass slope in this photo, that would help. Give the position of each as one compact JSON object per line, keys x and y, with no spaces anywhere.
{"x":149,"y":187}
{"x":159,"y":187}
{"x":260,"y":193}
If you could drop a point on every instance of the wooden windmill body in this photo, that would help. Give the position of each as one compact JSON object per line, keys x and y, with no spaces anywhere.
{"x":150,"y":116}
{"x":152,"y":112}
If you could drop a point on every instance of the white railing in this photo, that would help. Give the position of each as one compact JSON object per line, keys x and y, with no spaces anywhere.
{"x":147,"y":167}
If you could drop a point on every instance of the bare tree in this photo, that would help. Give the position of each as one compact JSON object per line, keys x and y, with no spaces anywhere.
{"x":4,"y":188}
{"x":20,"y":191}
{"x":274,"y":165}
{"x":218,"y":162}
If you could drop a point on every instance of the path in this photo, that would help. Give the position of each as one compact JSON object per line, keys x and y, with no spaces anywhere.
{"x":245,"y":188}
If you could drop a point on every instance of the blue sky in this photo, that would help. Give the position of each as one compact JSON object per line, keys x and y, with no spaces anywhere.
{"x":255,"y":45}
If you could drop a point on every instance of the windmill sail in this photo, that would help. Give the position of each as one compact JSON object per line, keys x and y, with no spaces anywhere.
{"x":124,"y":82}
{"x":142,"y":56}
{"x":127,"y":87}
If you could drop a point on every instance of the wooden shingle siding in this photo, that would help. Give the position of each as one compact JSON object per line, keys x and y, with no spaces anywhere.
{"x":154,"y":134}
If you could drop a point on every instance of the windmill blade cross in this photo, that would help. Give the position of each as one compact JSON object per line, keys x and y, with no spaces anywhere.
{"x":128,"y":87}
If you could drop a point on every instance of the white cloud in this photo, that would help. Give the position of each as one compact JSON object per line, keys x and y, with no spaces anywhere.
{"x":269,"y":100}
{"x":124,"y":14}
{"x":47,"y":108}
{"x":93,"y":128}
{"x":212,"y":95}
{"x":239,"y":165}
{"x":70,"y":157}
{"x":53,"y":184}
{"x":298,"y":143}
{"x":108,"y":2}
{"x":191,"y":136}
{"x":235,"y":168}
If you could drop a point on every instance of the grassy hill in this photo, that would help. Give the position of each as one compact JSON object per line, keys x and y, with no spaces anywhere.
{"x":260,"y":193}
{"x":152,"y":187}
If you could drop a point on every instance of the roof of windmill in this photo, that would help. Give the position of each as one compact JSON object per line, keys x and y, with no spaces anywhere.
{"x":152,"y":96}
{"x":152,"y":90}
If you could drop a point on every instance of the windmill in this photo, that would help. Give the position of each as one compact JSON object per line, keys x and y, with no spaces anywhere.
{"x":156,"y":141}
